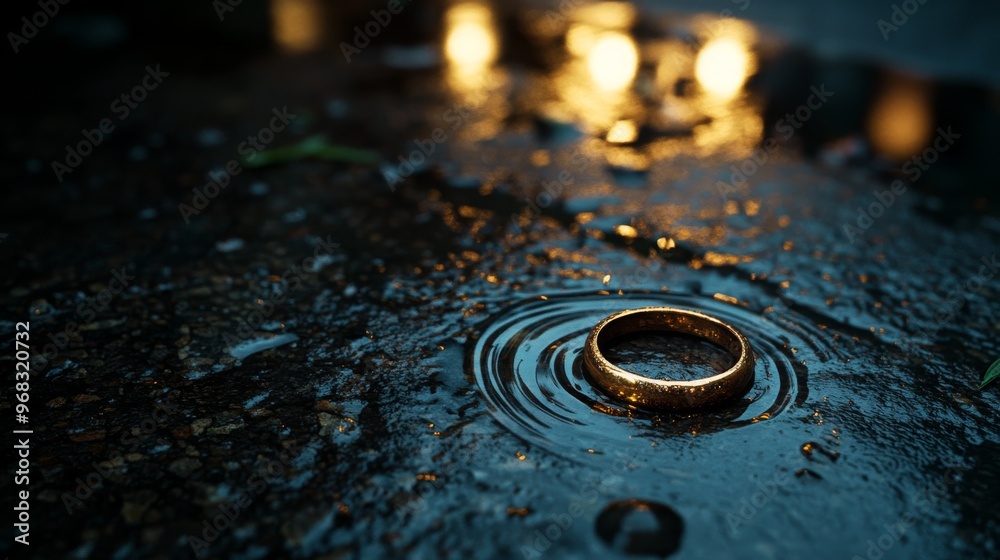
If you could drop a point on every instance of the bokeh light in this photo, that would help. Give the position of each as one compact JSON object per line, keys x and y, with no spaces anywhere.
{"x":613,"y":61}
{"x":470,"y":36}
{"x":900,"y":121}
{"x":297,"y":25}
{"x":723,"y":66}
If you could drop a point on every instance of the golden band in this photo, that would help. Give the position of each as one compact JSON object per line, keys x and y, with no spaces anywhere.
{"x":669,"y":395}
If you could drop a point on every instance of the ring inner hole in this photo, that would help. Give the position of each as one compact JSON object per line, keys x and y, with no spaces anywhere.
{"x":667,"y":355}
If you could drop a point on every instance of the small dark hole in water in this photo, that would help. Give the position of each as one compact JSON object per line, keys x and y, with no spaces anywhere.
{"x":668,"y":355}
{"x":640,"y":527}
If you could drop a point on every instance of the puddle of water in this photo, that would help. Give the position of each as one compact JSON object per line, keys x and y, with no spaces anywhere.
{"x":528,"y":366}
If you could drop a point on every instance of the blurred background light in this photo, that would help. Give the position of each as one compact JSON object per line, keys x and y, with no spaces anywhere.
{"x":723,"y":66}
{"x":297,"y":25}
{"x":613,"y":61}
{"x":470,"y":36}
{"x":900,"y":120}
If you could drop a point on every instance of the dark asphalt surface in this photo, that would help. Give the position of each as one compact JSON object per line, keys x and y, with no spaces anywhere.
{"x":305,"y":351}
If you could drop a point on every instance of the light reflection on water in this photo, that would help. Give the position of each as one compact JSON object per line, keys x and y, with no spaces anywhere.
{"x":900,"y":121}
{"x":640,"y":99}
{"x":611,"y":83}
{"x":471,"y":46}
{"x":297,"y":25}
{"x":594,"y":84}
{"x":471,"y":43}
{"x":612,"y":61}
{"x":634,"y":98}
{"x":726,"y":58}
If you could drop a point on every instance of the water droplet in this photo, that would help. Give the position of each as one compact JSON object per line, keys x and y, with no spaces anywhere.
{"x":803,"y":472}
{"x":229,"y":245}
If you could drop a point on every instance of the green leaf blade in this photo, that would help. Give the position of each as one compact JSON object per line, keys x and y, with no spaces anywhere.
{"x":991,"y":375}
{"x":314,"y":147}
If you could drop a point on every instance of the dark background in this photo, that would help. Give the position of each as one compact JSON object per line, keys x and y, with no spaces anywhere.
{"x":395,"y":431}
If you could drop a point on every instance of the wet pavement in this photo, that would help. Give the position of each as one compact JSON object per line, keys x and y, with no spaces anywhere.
{"x":368,"y":344}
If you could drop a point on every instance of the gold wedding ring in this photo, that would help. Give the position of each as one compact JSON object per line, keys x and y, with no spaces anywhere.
{"x":674,"y":396}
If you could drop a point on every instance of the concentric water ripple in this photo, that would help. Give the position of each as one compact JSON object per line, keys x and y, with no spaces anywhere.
{"x":528,"y":366}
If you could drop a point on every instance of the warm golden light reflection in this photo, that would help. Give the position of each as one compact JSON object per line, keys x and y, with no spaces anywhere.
{"x":723,"y":66}
{"x":610,"y":15}
{"x":735,"y":127}
{"x":623,"y":132}
{"x":580,"y":39}
{"x":590,"y":20}
{"x":471,"y":47}
{"x":718,"y":65}
{"x":726,"y":57}
{"x":468,"y":46}
{"x":900,"y":121}
{"x":676,"y":62}
{"x":723,"y":259}
{"x":471,"y":39}
{"x":627,"y":158}
{"x":297,"y":25}
{"x":725,"y":298}
{"x":626,"y":231}
{"x":665,"y":243}
{"x":540,"y":158}
{"x":594,"y":85}
{"x":613,"y":61}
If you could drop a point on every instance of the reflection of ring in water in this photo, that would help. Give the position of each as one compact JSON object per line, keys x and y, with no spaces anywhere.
{"x":668,"y":395}
{"x":528,"y":365}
